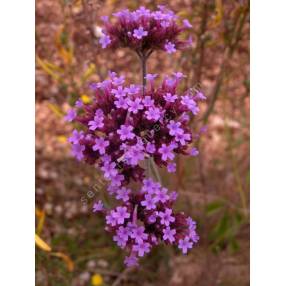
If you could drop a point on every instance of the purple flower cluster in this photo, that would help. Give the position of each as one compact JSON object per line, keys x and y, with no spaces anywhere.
{"x":145,"y":218}
{"x":125,"y":125}
{"x":145,"y":30}
{"x":119,"y":136}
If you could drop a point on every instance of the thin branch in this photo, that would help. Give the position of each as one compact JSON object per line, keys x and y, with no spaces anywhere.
{"x":121,"y":277}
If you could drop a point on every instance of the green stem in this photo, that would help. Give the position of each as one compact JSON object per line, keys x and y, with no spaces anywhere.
{"x":151,"y":167}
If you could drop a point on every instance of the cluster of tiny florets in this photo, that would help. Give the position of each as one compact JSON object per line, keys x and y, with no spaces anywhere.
{"x":146,"y":218}
{"x":145,"y":30}
{"x":123,"y":126}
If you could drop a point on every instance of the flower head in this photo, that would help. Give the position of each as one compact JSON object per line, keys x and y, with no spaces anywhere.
{"x":125,"y":132}
{"x":139,"y":33}
{"x":185,"y":244}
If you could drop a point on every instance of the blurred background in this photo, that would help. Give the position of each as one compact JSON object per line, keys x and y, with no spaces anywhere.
{"x":213,"y":188}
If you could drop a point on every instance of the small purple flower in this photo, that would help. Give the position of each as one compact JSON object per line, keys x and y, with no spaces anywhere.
{"x":149,"y":203}
{"x":185,"y":244}
{"x":138,"y":233}
{"x":150,"y":148}
{"x":121,"y":214}
{"x":71,"y":115}
{"x":135,"y":105}
{"x":194,"y":236}
{"x":118,"y":80}
{"x":174,"y":128}
{"x":165,"y":24}
{"x":139,"y":33}
{"x":166,"y":152}
{"x":104,"y":41}
{"x":123,"y":232}
{"x":96,"y":123}
{"x":169,"y":234}
{"x":149,"y":186}
{"x":171,"y":167}
{"x":121,"y":103}
{"x":191,"y":104}
{"x":200,"y":96}
{"x":76,"y":137}
{"x":170,"y":48}
{"x":134,"y":155}
{"x":119,"y":92}
{"x":194,"y":152}
{"x":98,"y":206}
{"x":133,"y":89}
{"x":131,"y":261}
{"x":109,"y":170}
{"x":169,"y":97}
{"x":111,"y":219}
{"x":105,"y":19}
{"x":183,"y":138}
{"x":187,"y":24}
{"x":123,"y":194}
{"x":116,"y":180}
{"x":79,"y":103}
{"x":121,"y":242}
{"x":192,"y":224}
{"x":153,"y":113}
{"x":173,"y":196}
{"x":151,"y":77}
{"x":161,"y":195}
{"x":152,"y":218}
{"x":148,"y":101}
{"x":142,"y":248}
{"x":125,"y":132}
{"x":100,"y":145}
{"x":166,"y":217}
{"x":190,"y":41}
{"x":178,"y":75}
{"x":77,"y":150}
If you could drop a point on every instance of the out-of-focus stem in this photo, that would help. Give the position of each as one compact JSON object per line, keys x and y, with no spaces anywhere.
{"x":151,"y":167}
{"x":143,"y":65}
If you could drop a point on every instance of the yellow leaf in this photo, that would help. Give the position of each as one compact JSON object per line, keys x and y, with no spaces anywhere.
{"x":42,"y":244}
{"x":184,"y":13}
{"x":47,"y":68}
{"x":56,"y":109}
{"x":41,"y":217}
{"x":66,"y":259}
{"x":54,"y":67}
{"x":219,"y":11}
{"x":89,"y":71}
{"x":64,"y":45}
{"x":66,"y":54}
{"x":96,"y":280}
{"x":85,"y":99}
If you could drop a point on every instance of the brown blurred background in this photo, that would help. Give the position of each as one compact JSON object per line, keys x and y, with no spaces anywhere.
{"x":213,"y":187}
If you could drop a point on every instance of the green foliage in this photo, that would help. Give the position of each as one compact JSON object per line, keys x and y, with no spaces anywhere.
{"x":228,"y":223}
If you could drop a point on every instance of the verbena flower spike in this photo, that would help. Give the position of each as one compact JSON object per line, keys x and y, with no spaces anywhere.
{"x":129,"y":129}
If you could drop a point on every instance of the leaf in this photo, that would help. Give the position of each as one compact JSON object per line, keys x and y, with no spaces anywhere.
{"x":47,"y":68}
{"x":66,"y":259}
{"x":41,"y":217}
{"x":66,"y":54}
{"x":214,"y":207}
{"x":64,"y":45}
{"x":88,"y":73}
{"x":42,"y":244}
{"x":56,"y":109}
{"x":219,"y":11}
